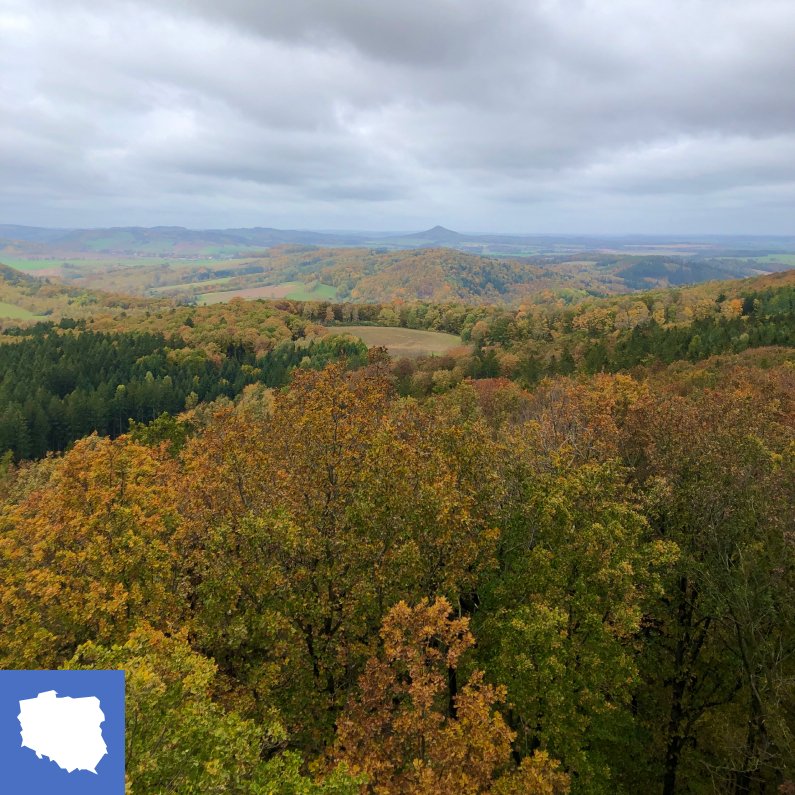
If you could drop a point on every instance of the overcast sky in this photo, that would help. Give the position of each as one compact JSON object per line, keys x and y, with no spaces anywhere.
{"x":597,"y":116}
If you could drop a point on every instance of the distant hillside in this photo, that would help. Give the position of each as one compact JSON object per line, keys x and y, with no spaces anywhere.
{"x":10,"y":276}
{"x":160,"y":240}
{"x":377,"y":275}
{"x":438,"y":236}
{"x":438,"y":274}
{"x":33,"y":234}
{"x":352,"y":274}
{"x":433,"y":274}
{"x":651,"y":271}
{"x":437,"y":264}
{"x":179,"y":241}
{"x":24,"y":298}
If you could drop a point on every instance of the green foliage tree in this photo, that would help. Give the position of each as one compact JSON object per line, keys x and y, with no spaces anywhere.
{"x":179,"y":739}
{"x":560,"y":624}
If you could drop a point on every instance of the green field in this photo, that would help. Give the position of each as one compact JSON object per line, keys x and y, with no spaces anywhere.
{"x":294,"y":291}
{"x":784,"y":259}
{"x":15,"y":312}
{"x":404,"y":341}
{"x":321,"y":292}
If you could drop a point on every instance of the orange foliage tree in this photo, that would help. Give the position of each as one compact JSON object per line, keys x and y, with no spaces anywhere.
{"x":411,"y":733}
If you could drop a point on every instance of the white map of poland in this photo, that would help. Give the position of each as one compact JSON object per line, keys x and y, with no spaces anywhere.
{"x":65,"y":730}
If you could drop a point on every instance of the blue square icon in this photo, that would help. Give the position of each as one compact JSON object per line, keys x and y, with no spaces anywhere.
{"x":62,"y":732}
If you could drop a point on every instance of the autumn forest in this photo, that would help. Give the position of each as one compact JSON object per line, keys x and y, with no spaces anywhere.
{"x":397,"y":398}
{"x":557,"y":557}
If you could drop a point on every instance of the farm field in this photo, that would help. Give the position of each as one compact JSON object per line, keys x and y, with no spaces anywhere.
{"x":295,"y":291}
{"x":191,"y":285}
{"x":32,"y":265}
{"x":320,"y":292}
{"x":404,"y":341}
{"x":15,"y":312}
{"x":784,"y":259}
{"x":144,"y":275}
{"x":99,"y":262}
{"x":267,"y":291}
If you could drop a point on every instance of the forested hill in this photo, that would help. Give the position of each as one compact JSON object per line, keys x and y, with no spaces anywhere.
{"x":434,"y":275}
{"x":11,"y":276}
{"x":60,"y":382}
{"x":438,"y":274}
{"x":25,"y":298}
{"x":437,"y":266}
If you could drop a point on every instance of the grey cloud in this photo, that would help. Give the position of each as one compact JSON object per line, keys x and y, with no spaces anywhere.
{"x":413,"y":32}
{"x":500,"y":115}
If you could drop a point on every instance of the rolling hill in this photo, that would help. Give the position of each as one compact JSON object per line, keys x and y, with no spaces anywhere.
{"x":437,"y":264}
{"x":23,"y":297}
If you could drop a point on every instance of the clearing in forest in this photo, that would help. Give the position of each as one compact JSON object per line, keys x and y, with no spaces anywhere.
{"x":404,"y":341}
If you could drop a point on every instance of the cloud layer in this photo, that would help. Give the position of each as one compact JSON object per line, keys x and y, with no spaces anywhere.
{"x":507,"y":115}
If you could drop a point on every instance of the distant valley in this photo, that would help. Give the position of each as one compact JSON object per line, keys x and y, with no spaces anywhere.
{"x":436,"y":265}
